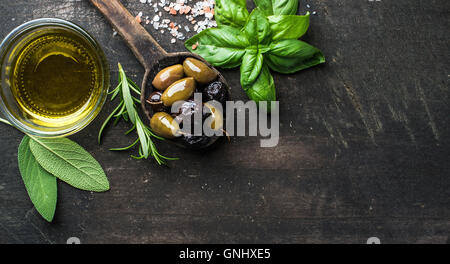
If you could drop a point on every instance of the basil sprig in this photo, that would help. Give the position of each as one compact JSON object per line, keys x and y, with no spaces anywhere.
{"x":267,"y":38}
{"x":278,"y":7}
{"x":232,"y":12}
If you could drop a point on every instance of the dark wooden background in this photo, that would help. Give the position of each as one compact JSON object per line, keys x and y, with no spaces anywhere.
{"x":364,"y":147}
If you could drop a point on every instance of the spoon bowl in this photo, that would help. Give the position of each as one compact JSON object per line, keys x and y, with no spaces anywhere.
{"x":148,"y":51}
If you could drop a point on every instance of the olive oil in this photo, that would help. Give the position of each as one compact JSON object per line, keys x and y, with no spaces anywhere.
{"x":56,"y":78}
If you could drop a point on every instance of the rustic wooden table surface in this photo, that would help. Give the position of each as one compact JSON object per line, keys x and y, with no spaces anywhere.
{"x":364,"y":148}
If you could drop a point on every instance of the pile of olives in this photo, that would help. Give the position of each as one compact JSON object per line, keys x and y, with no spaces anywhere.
{"x":179,"y":83}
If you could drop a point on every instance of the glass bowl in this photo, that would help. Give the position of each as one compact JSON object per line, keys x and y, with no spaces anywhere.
{"x":14,"y":44}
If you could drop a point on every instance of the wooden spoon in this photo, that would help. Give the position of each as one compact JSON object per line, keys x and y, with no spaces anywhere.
{"x":149,"y":53}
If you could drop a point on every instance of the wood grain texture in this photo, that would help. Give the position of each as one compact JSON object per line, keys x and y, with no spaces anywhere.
{"x":143,"y":45}
{"x":364,"y":147}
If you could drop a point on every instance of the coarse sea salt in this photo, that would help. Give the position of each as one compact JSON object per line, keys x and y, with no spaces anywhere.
{"x":198,"y":13}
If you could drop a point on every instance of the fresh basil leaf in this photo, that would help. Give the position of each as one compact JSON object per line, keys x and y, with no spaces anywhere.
{"x":252,"y":63}
{"x":69,"y":162}
{"x":41,"y":185}
{"x":222,"y":47}
{"x":231,"y":13}
{"x":278,"y":7}
{"x":289,"y":56}
{"x":288,"y":26}
{"x":263,"y":89}
{"x":257,"y":28}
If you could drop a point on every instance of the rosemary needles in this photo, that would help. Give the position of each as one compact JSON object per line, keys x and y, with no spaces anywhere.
{"x":127,"y":111}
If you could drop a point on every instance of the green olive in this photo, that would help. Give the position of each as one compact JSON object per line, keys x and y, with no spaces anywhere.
{"x":216,"y":117}
{"x":168,"y":76}
{"x":164,"y":125}
{"x":179,"y":91}
{"x":200,"y":71}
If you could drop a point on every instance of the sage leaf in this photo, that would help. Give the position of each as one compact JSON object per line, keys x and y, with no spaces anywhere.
{"x":252,"y":63}
{"x":231,"y":13}
{"x":263,"y":89}
{"x":40,"y":185}
{"x":69,"y":162}
{"x":257,"y":28}
{"x":289,"y":56}
{"x":278,"y":7}
{"x":288,"y":27}
{"x":222,"y":47}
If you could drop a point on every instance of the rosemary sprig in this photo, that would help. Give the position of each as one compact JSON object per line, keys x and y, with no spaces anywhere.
{"x":127,"y":110}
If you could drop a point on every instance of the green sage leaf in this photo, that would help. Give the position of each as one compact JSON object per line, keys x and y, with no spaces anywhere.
{"x":257,"y":28}
{"x":222,"y":47}
{"x":252,"y":63}
{"x":69,"y":162}
{"x":289,"y":56}
{"x":231,"y":13}
{"x":288,"y":27}
{"x":41,"y":185}
{"x":278,"y":7}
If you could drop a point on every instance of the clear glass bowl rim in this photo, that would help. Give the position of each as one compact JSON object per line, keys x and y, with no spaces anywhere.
{"x":8,"y":43}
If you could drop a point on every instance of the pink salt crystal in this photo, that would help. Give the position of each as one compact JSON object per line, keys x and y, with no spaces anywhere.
{"x":138,"y":19}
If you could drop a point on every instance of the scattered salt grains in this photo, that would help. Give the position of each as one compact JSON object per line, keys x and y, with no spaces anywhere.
{"x":209,"y":15}
{"x":197,"y":13}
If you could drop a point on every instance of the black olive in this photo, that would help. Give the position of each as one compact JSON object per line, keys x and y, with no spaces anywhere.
{"x":156,"y":103}
{"x":196,"y":142}
{"x":187,"y":111}
{"x":215,"y":91}
{"x":189,"y":107}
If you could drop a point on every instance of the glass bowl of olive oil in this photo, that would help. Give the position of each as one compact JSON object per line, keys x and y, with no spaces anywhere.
{"x":54,"y":78}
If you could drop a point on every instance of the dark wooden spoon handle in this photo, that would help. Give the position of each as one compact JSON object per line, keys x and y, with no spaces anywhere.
{"x":143,"y":45}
